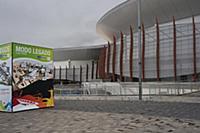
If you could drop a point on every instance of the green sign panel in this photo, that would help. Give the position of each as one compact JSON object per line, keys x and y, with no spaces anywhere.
{"x":34,"y":52}
{"x":5,"y":51}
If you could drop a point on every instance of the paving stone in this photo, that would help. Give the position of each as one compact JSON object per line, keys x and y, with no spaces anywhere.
{"x":105,"y":117}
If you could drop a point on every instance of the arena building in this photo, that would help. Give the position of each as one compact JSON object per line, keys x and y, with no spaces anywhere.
{"x":170,"y":41}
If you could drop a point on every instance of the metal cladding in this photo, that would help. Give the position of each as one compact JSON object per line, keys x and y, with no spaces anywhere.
{"x":169,"y":50}
{"x":77,"y":53}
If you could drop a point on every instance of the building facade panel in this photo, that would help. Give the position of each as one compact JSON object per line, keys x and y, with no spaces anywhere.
{"x":184,"y":52}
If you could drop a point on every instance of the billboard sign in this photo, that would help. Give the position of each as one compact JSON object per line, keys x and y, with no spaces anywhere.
{"x":32,"y":77}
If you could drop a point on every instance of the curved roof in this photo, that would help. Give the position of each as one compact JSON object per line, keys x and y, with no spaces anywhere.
{"x":77,"y":53}
{"x":122,"y":16}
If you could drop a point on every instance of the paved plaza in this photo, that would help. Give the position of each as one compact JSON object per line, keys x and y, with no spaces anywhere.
{"x":75,"y":116}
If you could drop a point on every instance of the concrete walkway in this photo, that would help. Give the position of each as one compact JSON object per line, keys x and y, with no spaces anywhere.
{"x":90,"y":116}
{"x":182,"y":99}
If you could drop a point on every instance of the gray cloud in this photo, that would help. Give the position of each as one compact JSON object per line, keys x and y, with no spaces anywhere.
{"x":53,"y":23}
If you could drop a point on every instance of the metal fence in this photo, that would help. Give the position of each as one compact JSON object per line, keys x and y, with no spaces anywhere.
{"x":128,"y":89}
{"x":131,"y":88}
{"x":82,"y":74}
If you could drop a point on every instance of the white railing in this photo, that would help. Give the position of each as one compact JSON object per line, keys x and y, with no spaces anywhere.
{"x":131,"y":88}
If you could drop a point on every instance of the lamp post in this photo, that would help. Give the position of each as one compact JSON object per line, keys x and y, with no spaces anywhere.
{"x":139,"y":49}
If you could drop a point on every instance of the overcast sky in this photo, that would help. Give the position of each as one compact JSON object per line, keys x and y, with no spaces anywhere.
{"x":52,"y":23}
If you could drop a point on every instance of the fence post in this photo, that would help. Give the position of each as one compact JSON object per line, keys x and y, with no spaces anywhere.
{"x":73,"y":73}
{"x":60,"y":71}
{"x":87,"y":73}
{"x":80,"y":74}
{"x":66,"y":73}
{"x":97,"y":69}
{"x":92,"y":74}
{"x":54,"y":73}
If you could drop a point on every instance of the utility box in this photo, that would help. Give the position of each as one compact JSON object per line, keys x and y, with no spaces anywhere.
{"x":26,"y":77}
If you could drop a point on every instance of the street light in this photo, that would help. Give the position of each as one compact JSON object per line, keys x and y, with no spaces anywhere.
{"x":139,"y":49}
